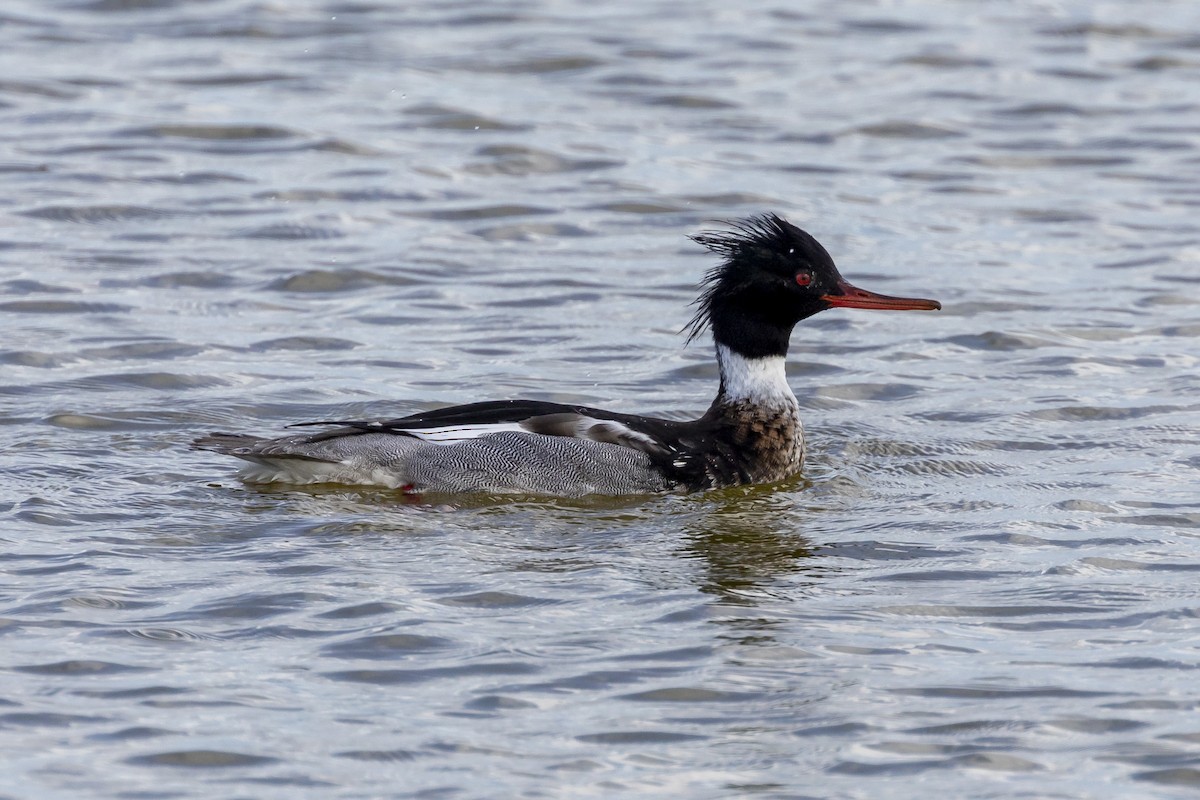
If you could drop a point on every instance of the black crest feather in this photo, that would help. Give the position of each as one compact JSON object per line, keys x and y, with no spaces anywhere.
{"x":760,"y":233}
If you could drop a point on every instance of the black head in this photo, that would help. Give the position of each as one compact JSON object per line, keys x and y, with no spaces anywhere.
{"x":772,"y":276}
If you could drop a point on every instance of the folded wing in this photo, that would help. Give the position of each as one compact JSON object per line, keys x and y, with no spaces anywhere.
{"x":457,"y":424}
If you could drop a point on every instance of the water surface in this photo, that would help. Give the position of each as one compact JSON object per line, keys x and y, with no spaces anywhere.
{"x":236,"y":215}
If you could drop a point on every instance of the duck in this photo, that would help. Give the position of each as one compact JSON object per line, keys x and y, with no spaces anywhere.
{"x":771,"y":275}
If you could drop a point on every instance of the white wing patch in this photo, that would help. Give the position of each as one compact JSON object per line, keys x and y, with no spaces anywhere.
{"x":453,"y":434}
{"x":571,"y":426}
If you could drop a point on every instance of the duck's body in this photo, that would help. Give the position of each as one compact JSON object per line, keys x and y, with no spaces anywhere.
{"x":750,"y":434}
{"x":773,"y":275}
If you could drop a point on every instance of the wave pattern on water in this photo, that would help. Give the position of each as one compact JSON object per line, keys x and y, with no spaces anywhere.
{"x":236,"y":216}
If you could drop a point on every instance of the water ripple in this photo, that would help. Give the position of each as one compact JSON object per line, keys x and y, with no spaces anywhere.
{"x":239,"y":216}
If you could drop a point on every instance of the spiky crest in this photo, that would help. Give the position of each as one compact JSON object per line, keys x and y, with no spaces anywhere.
{"x":762,"y":235}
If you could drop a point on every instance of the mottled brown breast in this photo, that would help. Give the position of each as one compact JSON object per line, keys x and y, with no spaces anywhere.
{"x":749,"y":443}
{"x":773,"y":441}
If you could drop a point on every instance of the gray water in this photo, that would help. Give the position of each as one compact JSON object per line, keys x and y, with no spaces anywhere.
{"x":237,"y":215}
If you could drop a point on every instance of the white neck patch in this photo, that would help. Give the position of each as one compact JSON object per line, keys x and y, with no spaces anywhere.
{"x":761,"y":381}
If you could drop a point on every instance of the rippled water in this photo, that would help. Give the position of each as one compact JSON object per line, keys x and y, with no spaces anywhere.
{"x":238,"y":215}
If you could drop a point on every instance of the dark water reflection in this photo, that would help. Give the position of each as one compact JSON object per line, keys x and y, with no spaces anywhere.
{"x":747,"y":541}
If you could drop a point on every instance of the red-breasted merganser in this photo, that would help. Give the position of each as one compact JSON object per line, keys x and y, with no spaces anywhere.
{"x":772,"y":275}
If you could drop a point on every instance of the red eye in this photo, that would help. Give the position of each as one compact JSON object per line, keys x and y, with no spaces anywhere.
{"x":803,"y":278}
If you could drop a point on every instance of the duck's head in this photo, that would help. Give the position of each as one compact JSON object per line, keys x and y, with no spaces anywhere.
{"x":772,"y":276}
